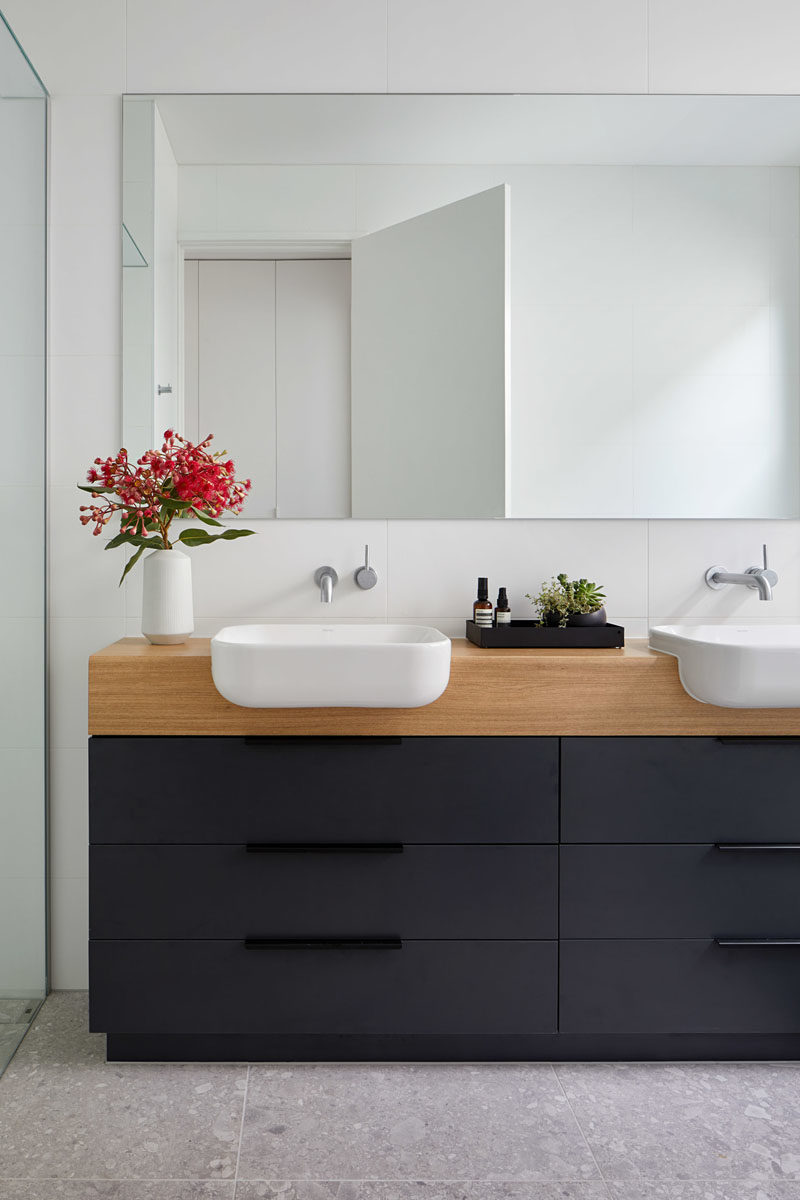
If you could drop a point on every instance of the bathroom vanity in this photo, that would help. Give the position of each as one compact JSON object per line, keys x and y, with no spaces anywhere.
{"x":499,"y":875}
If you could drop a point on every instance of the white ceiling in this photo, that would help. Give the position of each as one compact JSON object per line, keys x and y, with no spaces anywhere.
{"x":677,"y":130}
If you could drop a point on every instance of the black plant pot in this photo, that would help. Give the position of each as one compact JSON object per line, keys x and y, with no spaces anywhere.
{"x":598,"y":617}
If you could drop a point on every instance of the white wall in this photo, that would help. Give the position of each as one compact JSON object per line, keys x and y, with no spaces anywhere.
{"x":91,"y":51}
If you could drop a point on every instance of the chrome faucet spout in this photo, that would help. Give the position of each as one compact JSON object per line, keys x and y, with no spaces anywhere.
{"x":763,"y":584}
{"x":755,"y":579}
{"x":326,"y":580}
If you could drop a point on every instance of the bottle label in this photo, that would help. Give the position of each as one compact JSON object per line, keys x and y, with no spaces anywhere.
{"x":504,"y":618}
{"x":483,"y":616}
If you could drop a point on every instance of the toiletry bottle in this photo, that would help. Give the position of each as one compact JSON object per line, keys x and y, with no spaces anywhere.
{"x":502,"y":610}
{"x":482,"y":608}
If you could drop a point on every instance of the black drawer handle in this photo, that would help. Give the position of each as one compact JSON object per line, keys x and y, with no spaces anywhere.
{"x":758,"y":943}
{"x":302,"y":740}
{"x":323,"y":944}
{"x":758,"y":741}
{"x":756,"y":847}
{"x":324,"y":847}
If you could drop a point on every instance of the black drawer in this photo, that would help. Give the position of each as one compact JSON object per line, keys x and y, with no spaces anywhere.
{"x":678,"y":987}
{"x":680,"y":790}
{"x":333,"y":789}
{"x":679,"y":891}
{"x":324,"y":891}
{"x":431,"y":987}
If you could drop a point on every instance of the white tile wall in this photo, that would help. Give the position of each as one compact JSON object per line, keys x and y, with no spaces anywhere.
{"x":84,"y":276}
{"x":433,"y":565}
{"x":256,"y":46}
{"x":85,"y":160}
{"x":724,"y":46}
{"x":69,"y":924}
{"x":517,"y":46}
{"x":69,"y":816}
{"x":72,"y":640}
{"x":83,"y":579}
{"x":427,"y":570}
{"x":271,"y":575}
{"x":84,"y":420}
{"x":682,"y":551}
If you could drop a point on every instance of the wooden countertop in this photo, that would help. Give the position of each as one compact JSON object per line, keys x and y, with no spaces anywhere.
{"x":139,"y":689}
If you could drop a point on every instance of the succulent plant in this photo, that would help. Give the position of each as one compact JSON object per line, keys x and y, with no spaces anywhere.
{"x":562,"y":597}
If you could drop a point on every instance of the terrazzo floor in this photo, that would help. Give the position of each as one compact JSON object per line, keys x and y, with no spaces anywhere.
{"x":73,"y":1127}
{"x":15,"y":1017}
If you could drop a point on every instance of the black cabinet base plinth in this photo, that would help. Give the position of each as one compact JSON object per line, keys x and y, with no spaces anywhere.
{"x":123,"y":1047}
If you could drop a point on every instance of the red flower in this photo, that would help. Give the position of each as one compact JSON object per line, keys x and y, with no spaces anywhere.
{"x":145,"y":495}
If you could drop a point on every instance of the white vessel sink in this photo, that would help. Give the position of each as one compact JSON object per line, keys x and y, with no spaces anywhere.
{"x":330,"y":666}
{"x":735,"y":666}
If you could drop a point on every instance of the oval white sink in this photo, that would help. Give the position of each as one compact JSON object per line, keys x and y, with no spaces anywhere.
{"x":330,"y":666}
{"x":735,"y":666}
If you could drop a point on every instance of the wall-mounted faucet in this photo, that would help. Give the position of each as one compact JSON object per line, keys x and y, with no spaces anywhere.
{"x":326,"y":580}
{"x":760,"y":578}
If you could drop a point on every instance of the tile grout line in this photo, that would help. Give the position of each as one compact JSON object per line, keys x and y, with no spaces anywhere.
{"x":600,"y":1174}
{"x":241,"y":1133}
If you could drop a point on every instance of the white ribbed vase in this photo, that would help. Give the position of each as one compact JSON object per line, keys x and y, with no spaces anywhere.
{"x":167,"y":613}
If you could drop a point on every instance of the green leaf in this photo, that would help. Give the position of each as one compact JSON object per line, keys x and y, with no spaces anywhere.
{"x":195,"y":537}
{"x":92,"y":487}
{"x":201,"y":516}
{"x":132,"y":561}
{"x":134,"y":539}
{"x":199,"y":537}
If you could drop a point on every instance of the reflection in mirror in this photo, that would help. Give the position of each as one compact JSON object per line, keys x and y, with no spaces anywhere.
{"x":615,"y":334}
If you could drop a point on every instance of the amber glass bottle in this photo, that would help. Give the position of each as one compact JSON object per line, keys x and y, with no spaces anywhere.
{"x":482,"y":608}
{"x":502,"y":610}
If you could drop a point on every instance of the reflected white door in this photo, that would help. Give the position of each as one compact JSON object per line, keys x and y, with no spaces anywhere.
{"x":430,"y":363}
{"x":236,"y":371}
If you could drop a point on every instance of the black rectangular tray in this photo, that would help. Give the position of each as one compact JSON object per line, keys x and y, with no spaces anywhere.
{"x":530,"y":634}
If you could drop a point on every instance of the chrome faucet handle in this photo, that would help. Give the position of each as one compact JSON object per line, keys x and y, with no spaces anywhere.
{"x":769,"y":575}
{"x":366,"y":577}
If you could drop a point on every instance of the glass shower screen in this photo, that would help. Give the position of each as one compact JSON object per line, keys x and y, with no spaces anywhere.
{"x":23,"y":157}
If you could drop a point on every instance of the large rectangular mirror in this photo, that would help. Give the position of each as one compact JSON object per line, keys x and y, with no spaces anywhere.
{"x":471,"y":306}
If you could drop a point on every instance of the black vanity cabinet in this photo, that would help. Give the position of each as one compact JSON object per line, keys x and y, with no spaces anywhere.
{"x":680,"y":892}
{"x":445,"y":898}
{"x":306,"y":897}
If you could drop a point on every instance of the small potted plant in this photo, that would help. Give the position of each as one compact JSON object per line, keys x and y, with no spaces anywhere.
{"x":179,"y":480}
{"x":561,"y":601}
